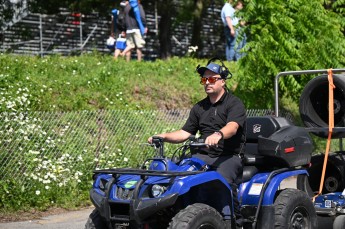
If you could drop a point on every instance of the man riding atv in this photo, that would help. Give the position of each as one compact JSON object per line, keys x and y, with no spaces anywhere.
{"x":220,"y":119}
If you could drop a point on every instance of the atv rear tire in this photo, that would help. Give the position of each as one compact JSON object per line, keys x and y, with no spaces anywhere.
{"x":95,"y":221}
{"x":294,"y":209}
{"x":197,"y":216}
{"x":339,"y":222}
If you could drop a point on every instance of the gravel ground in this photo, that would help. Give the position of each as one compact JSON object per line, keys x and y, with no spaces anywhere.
{"x":63,"y":220}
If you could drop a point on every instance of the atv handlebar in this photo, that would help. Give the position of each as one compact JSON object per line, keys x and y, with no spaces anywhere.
{"x":192,"y":142}
{"x":157,"y":141}
{"x":197,"y":143}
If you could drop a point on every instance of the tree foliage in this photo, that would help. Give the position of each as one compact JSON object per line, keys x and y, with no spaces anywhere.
{"x":6,"y":12}
{"x":174,"y":12}
{"x":287,"y":36}
{"x":164,"y":26}
{"x":337,"y":6}
{"x":194,"y":11}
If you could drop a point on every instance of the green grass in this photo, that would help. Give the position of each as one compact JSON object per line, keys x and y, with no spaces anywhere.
{"x":96,"y":81}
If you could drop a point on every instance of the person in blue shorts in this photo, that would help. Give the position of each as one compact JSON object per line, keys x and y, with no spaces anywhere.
{"x":120,"y":46}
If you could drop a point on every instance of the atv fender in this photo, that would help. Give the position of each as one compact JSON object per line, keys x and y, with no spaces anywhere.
{"x":185,"y":184}
{"x":273,"y":187}
{"x":250,"y":191}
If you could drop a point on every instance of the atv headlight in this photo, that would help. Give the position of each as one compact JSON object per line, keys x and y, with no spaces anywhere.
{"x":157,"y":190}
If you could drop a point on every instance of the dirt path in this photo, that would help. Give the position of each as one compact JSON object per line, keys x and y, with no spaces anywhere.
{"x":62,"y":220}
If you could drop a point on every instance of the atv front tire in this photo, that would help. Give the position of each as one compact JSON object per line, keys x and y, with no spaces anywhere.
{"x":294,"y":209}
{"x":95,"y":221}
{"x":197,"y":216}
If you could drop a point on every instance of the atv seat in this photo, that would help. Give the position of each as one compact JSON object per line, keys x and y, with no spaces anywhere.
{"x":263,"y":126}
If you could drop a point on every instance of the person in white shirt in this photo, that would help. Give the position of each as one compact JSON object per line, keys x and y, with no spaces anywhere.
{"x":232,"y":26}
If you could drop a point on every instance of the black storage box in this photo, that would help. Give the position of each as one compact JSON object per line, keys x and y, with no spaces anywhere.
{"x":290,"y":146}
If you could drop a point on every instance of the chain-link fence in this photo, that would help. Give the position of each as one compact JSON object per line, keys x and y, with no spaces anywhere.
{"x":42,"y":145}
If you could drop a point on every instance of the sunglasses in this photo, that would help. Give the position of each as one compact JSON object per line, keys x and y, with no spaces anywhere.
{"x":211,"y":80}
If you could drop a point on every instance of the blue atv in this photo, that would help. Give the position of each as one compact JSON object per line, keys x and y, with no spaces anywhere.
{"x":184,"y":192}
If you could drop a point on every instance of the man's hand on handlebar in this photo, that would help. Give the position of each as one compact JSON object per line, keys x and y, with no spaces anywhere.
{"x":151,"y":139}
{"x":213,"y":139}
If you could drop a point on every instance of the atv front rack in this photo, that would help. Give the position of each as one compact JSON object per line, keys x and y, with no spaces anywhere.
{"x":143,"y":172}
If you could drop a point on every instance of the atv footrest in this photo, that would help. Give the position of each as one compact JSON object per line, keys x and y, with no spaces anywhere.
{"x":325,"y":211}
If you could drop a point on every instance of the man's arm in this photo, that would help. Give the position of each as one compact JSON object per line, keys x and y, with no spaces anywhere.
{"x":231,"y":27}
{"x":230,"y":129}
{"x":226,"y":132}
{"x":173,"y":137}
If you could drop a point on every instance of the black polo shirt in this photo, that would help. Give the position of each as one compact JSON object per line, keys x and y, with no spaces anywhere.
{"x":208,"y":118}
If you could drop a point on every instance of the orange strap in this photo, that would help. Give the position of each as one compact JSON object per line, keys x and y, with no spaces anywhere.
{"x":331,"y":86}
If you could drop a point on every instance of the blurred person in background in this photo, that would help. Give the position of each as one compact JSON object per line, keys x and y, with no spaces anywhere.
{"x":135,"y":39}
{"x":232,"y":26}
